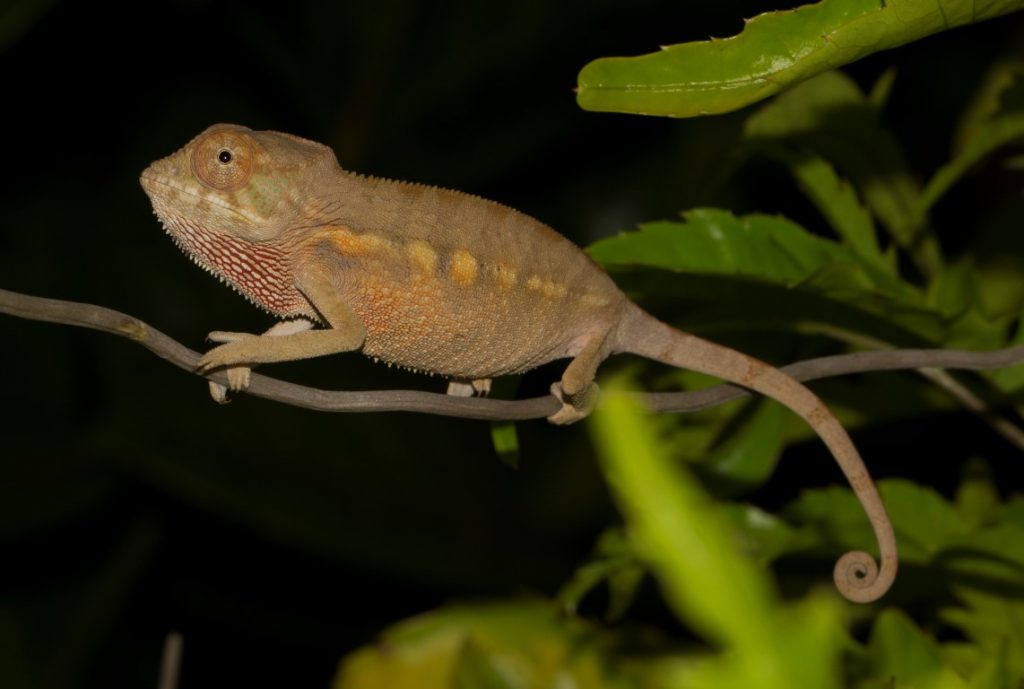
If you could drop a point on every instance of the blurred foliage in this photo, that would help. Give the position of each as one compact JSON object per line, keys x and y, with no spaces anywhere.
{"x":834,"y":216}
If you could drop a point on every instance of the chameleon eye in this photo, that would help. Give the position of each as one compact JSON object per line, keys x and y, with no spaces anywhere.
{"x":223,"y":160}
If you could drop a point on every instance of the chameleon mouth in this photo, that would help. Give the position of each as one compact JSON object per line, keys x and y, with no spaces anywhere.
{"x":162,"y":188}
{"x":160,"y":174}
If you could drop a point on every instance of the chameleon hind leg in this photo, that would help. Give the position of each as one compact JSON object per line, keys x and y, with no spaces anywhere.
{"x":577,"y":390}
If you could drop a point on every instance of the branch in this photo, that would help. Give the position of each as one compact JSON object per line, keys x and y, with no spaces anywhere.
{"x":114,"y":322}
{"x":170,"y":662}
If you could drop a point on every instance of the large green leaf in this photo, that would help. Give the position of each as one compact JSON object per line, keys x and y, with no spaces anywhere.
{"x":687,"y":540}
{"x":716,"y":241}
{"x":776,"y":251}
{"x":757,"y":245}
{"x":775,"y":50}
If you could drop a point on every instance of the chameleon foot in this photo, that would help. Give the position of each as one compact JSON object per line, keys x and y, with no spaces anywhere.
{"x":574,"y":407}
{"x":238,"y":376}
{"x":480,"y":387}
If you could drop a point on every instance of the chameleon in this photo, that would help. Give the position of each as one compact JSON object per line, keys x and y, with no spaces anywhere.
{"x":437,"y":281}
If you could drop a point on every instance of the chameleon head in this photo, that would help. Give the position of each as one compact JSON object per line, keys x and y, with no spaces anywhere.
{"x":234,"y":181}
{"x":228,"y":200}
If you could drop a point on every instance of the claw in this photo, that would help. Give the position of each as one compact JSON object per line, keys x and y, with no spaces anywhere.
{"x":238,"y":377}
{"x":218,"y":392}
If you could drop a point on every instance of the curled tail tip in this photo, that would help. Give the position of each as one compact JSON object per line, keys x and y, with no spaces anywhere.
{"x":859,"y":579}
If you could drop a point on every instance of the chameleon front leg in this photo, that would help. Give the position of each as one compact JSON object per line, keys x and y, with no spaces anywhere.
{"x":238,"y":376}
{"x":577,"y":390}
{"x":345,"y":332}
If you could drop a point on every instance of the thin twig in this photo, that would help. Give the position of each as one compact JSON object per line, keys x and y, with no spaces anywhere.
{"x":963,"y":395}
{"x":170,"y":662}
{"x":110,"y":321}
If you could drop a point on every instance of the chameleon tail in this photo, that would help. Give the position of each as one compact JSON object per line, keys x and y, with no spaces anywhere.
{"x":856,"y":574}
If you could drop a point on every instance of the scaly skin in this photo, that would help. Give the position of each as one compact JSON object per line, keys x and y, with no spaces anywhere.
{"x":437,"y":281}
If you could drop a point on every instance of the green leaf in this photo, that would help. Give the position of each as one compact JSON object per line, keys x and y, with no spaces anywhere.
{"x":506,"y":442}
{"x":855,"y":295}
{"x":764,"y":536}
{"x":954,"y":290}
{"x":1001,"y":128}
{"x":766,"y":247}
{"x":836,"y":200}
{"x":686,"y":539}
{"x":476,"y":669}
{"x":679,"y":531}
{"x":993,"y":672}
{"x":716,"y":241}
{"x":751,"y":447}
{"x":994,"y":621}
{"x":987,"y":99}
{"x":901,"y":654}
{"x":925,"y":524}
{"x":977,"y":498}
{"x":615,"y":564}
{"x":774,"y":51}
{"x":831,"y":117}
{"x":773,"y":250}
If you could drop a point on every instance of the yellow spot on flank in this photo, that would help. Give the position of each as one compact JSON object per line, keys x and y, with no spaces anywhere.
{"x":423,"y":258}
{"x":463,"y":268}
{"x":549,"y":288}
{"x":554,"y":290}
{"x":593,"y":300}
{"x":504,"y":274}
{"x":351,"y":243}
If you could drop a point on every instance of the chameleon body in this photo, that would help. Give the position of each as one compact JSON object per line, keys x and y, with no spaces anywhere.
{"x":437,"y":281}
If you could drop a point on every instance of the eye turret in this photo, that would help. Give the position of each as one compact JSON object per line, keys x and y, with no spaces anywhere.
{"x":222,"y":160}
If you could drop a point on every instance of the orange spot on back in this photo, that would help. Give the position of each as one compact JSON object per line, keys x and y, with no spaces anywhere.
{"x":352,"y":243}
{"x":464,"y":268}
{"x":549,"y":288}
{"x":554,"y":290}
{"x":422,"y":256}
{"x":593,"y":300}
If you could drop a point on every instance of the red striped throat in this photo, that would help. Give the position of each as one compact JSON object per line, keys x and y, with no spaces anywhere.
{"x":258,"y":271}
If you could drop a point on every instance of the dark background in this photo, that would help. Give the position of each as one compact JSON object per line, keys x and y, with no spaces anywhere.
{"x":278,"y":539}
